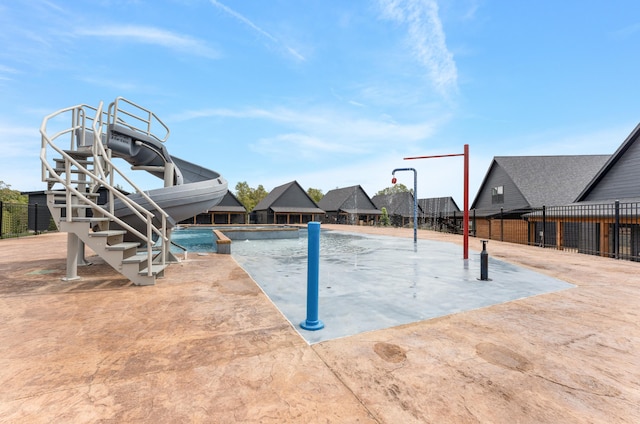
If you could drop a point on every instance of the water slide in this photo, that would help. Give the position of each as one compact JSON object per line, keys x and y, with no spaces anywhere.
{"x":90,"y":207}
{"x":189,"y":189}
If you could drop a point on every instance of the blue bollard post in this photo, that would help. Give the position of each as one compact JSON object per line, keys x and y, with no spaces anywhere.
{"x":313,"y":323}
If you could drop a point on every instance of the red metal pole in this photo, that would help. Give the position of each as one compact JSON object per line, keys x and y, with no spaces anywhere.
{"x":465,"y":220}
{"x":435,"y":156}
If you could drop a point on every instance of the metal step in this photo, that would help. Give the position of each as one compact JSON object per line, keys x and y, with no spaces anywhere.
{"x":107,"y":233}
{"x":156,"y":269}
{"x":137,"y":258}
{"x":84,"y":153}
{"x":55,"y":180}
{"x":80,"y":161}
{"x":89,"y":219}
{"x":73,"y":206}
{"x":63,"y":193}
{"x":71,"y":170}
{"x":123,"y":246}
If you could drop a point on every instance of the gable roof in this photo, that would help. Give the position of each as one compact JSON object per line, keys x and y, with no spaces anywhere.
{"x":436,"y":206}
{"x":352,"y":200}
{"x":546,"y":180}
{"x":396,"y":203}
{"x":229,"y":203}
{"x":618,"y":178}
{"x":289,"y":197}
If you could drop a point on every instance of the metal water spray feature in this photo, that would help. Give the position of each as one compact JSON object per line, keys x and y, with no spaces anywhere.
{"x":415,"y":198}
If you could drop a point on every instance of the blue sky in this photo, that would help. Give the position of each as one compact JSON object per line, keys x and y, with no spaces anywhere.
{"x":329,"y":93}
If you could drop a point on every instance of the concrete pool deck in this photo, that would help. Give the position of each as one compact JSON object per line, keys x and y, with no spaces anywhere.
{"x":205,"y":344}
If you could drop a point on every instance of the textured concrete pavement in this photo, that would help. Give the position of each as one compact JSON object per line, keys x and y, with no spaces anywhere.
{"x":206,"y":345}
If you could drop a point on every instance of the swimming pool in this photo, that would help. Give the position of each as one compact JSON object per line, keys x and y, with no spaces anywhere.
{"x":372,"y":282}
{"x":195,"y":239}
{"x":201,"y":239}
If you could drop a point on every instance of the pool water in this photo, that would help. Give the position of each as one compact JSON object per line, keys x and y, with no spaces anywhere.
{"x":194,"y":240}
{"x":373,"y":282}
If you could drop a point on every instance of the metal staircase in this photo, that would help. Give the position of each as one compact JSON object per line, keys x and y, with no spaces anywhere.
{"x":81,"y":194}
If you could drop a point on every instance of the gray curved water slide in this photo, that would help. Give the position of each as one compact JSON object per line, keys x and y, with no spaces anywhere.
{"x":189,"y":189}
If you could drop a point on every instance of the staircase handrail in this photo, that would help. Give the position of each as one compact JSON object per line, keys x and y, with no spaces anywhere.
{"x":115,"y":109}
{"x":52,"y":172}
{"x":144,"y":214}
{"x":162,"y":231}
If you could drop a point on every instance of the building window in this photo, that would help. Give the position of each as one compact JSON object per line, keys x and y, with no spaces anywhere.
{"x":497,"y":195}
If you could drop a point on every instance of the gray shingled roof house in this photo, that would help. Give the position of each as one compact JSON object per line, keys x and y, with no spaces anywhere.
{"x":399,"y":207}
{"x":348,"y":205}
{"x":517,"y":184}
{"x":229,"y":211}
{"x":286,"y":204}
{"x":604,"y":218}
{"x":439,"y":207}
{"x":619,"y":177}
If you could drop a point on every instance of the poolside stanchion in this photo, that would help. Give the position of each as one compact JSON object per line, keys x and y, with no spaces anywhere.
{"x":312,"y":322}
{"x":484,"y":262}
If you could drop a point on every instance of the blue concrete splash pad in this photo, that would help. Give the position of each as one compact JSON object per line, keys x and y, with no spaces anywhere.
{"x":374,"y":282}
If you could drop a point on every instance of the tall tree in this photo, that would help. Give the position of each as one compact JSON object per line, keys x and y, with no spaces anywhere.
{"x":248,"y":196}
{"x":315,"y":193}
{"x":384,"y":218}
{"x":11,"y":196}
{"x":396,"y":188}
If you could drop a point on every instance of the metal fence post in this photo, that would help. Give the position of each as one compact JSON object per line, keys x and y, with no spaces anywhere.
{"x":1,"y":217}
{"x":501,"y":224}
{"x":544,"y":226}
{"x":616,"y":230}
{"x":474,"y":224}
{"x":35,"y":216}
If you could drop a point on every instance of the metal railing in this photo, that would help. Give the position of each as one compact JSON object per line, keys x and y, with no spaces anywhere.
{"x":21,"y":219}
{"x":145,"y":121}
{"x":104,"y":176}
{"x":605,"y":229}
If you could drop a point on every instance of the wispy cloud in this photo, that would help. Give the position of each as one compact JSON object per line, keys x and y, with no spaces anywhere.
{"x":18,"y":141}
{"x":155,"y":36}
{"x":321,"y":131}
{"x":8,"y":70}
{"x":627,"y":31}
{"x":6,"y":73}
{"x":291,"y":51}
{"x":426,"y":39}
{"x":471,"y":11}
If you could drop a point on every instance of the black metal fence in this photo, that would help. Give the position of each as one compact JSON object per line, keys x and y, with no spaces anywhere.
{"x":610,"y":229}
{"x":19,"y":219}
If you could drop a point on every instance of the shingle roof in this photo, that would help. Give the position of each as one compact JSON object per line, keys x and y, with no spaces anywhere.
{"x":229,"y":203}
{"x":435,"y":206}
{"x":550,"y":180}
{"x":272,"y":196}
{"x":295,"y":209}
{"x":307,"y":205}
{"x":613,"y":159}
{"x":346,"y":199}
{"x":396,"y":203}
